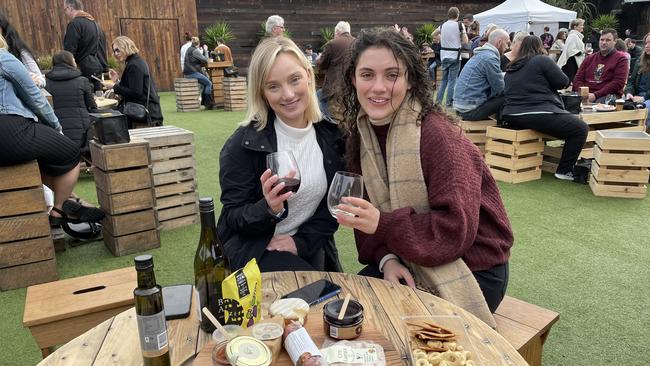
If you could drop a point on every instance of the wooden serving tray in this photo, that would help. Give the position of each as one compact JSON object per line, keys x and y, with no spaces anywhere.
{"x":315,"y":329}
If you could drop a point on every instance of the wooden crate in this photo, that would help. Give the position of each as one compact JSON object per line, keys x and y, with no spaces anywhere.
{"x":234,"y":93}
{"x":476,"y":132}
{"x":188,"y":95}
{"x":59,"y":311}
{"x":514,"y":156}
{"x":26,"y":247}
{"x":134,"y":154}
{"x":621,"y":159}
{"x":174,"y":176}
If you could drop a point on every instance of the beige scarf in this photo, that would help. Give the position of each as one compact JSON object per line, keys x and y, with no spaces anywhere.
{"x":399,"y":182}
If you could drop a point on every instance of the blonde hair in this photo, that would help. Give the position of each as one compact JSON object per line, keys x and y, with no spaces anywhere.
{"x":519,"y":36}
{"x":263,"y":59}
{"x":125,"y":45}
{"x":3,"y":42}
{"x":576,"y":23}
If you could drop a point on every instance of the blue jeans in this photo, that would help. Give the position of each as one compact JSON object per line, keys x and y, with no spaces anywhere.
{"x":647,"y":106}
{"x":204,"y":81}
{"x":322,"y":103}
{"x":450,"y":69}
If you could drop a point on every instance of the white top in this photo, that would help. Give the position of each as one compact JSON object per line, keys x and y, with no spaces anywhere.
{"x":313,"y":181}
{"x":184,"y":51}
{"x":450,"y":37}
{"x":31,"y":66}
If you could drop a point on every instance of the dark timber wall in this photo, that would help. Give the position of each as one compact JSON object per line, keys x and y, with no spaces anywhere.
{"x":304,"y":18}
{"x":156,"y":27}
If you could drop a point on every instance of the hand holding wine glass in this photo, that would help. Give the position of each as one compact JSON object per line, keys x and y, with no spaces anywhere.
{"x":281,"y":180}
{"x":343,"y":185}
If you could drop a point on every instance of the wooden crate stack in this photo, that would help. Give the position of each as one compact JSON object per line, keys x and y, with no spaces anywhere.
{"x":620,"y":166}
{"x":172,"y":155}
{"x":26,"y":249}
{"x":476,"y":131}
{"x":215,"y":71}
{"x":124,"y":190}
{"x":514,"y":156}
{"x":188,"y":95}
{"x":234,"y":94}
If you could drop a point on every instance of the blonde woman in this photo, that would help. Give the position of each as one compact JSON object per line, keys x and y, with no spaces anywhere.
{"x":290,"y":231}
{"x":574,"y":49}
{"x":136,"y":83}
{"x":507,"y":57}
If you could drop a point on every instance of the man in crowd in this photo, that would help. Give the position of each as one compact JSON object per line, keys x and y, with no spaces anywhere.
{"x":330,"y":64}
{"x":310,"y":54}
{"x":193,"y":69}
{"x":479,"y":89}
{"x":224,"y":50}
{"x":86,"y":41}
{"x":452,"y":36}
{"x":547,"y":38}
{"x":604,"y":72}
{"x":634,"y":50}
{"x":275,"y":26}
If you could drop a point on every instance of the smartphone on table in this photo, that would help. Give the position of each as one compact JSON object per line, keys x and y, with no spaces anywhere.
{"x":315,"y":292}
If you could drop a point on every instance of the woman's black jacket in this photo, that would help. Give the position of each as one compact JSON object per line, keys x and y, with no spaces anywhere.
{"x":134,"y":84}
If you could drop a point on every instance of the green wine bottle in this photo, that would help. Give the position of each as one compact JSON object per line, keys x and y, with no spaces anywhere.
{"x":210,"y":266}
{"x":150,"y":314}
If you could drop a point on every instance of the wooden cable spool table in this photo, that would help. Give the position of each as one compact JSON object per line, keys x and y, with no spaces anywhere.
{"x":116,"y":342}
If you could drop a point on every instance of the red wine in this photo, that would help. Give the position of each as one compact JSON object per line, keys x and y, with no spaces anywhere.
{"x":290,"y":184}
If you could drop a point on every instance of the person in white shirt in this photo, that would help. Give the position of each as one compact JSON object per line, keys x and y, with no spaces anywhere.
{"x":453,"y":36}
{"x":184,"y":47}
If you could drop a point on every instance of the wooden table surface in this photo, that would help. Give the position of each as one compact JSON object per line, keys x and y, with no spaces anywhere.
{"x":115,"y":341}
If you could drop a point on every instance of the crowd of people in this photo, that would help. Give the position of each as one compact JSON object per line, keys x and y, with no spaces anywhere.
{"x":431,"y":214}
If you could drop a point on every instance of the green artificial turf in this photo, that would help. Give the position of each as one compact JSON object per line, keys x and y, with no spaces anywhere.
{"x":583,"y":256}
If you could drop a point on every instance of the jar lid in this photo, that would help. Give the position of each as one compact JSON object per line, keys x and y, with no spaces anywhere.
{"x":267,"y":331}
{"x":248,"y":351}
{"x":353,"y":313}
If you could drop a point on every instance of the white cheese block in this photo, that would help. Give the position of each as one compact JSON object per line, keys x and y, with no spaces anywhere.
{"x":290,"y":309}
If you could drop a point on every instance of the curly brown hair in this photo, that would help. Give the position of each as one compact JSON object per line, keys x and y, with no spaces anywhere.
{"x":421,"y":87}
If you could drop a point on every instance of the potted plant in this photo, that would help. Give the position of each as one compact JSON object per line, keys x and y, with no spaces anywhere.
{"x":605,"y":21}
{"x":45,"y":63}
{"x":326,"y":35}
{"x":423,"y":34}
{"x":218,"y":31}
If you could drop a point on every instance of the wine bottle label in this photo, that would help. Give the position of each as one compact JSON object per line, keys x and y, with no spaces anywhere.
{"x":153,"y":331}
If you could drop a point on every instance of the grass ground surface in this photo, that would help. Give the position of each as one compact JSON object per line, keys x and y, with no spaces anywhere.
{"x":582,"y":256}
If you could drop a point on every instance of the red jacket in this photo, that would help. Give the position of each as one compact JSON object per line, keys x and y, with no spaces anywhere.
{"x":603,"y":74}
{"x":467,"y":218}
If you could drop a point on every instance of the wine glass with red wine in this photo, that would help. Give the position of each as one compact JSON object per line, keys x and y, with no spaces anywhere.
{"x":283,"y":164}
{"x":344,"y":184}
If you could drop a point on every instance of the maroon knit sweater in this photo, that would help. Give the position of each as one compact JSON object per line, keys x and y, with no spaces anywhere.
{"x":467,"y":217}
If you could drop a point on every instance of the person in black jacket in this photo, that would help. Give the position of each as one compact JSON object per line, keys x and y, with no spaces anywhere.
{"x":531,"y":101}
{"x":85,"y":39}
{"x":290,"y":231}
{"x":72,"y":97}
{"x":136,"y":82}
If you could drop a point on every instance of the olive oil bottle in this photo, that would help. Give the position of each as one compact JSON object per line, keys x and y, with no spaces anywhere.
{"x":150,"y":314}
{"x":210,"y":266}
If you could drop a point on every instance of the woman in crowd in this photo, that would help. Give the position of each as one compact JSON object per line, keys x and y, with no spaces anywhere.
{"x":21,"y":51}
{"x":72,"y":96}
{"x":507,"y":57}
{"x":136,"y":83}
{"x":558,"y":44}
{"x":574,"y":50}
{"x":532,"y":101}
{"x":445,"y":210}
{"x":639,"y":82}
{"x":29,"y":130}
{"x":290,"y":231}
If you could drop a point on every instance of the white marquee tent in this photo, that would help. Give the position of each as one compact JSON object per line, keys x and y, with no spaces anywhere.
{"x":525,"y":15}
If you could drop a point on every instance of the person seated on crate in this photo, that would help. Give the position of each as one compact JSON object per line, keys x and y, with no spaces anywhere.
{"x":30,"y":130}
{"x":639,"y":82}
{"x":604,"y":72}
{"x":136,"y":84}
{"x":531,"y":101}
{"x":73,"y":98}
{"x":222,"y":51}
{"x":290,"y":231}
{"x":479,"y":88}
{"x":193,"y":69}
{"x":443,"y":212}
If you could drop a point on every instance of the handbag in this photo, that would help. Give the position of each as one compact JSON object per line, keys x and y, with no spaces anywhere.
{"x":137,"y":112}
{"x":571,"y":103}
{"x":110,"y":127}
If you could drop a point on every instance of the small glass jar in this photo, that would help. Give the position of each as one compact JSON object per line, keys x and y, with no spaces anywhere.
{"x":232,"y":329}
{"x":350,"y":327}
{"x":219,"y":354}
{"x":248,"y":351}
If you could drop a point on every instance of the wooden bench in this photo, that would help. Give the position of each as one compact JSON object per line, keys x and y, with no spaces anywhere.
{"x":59,"y":311}
{"x":476,"y":131}
{"x":26,"y":248}
{"x":525,"y":326}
